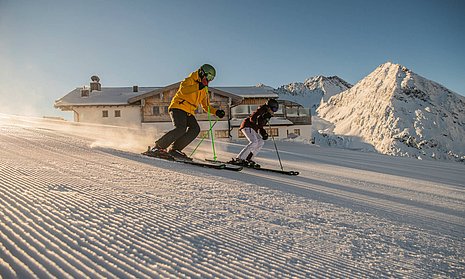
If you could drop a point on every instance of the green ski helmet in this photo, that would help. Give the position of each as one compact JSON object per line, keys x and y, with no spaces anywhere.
{"x":208,"y":71}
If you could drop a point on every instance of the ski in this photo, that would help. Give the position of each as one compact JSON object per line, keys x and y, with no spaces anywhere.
{"x":276,"y":171}
{"x":226,"y":165}
{"x":189,"y":162}
{"x":260,"y":168}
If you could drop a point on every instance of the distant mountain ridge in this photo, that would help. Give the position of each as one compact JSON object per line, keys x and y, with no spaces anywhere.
{"x":313,"y":90}
{"x":400,"y":113}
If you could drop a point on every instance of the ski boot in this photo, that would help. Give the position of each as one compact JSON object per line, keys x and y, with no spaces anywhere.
{"x":158,"y":152}
{"x":252,"y":164}
{"x":179,"y":155}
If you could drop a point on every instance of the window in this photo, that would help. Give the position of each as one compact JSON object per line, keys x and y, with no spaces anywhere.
{"x":241,"y":109}
{"x":156,"y":110}
{"x":274,"y":132}
{"x":204,"y":134}
{"x":117,"y":113}
{"x":218,"y":134}
{"x":105,"y":113}
{"x":297,"y":132}
{"x":292,"y":111}
{"x":253,"y":108}
{"x":240,"y":134}
{"x":221,"y":134}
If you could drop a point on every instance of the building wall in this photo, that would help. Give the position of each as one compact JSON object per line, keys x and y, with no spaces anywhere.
{"x":303,"y":131}
{"x":281,"y":132}
{"x":129,"y":115}
{"x":162,"y":101}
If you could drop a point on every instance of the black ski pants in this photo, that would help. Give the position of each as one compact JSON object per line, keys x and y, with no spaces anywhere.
{"x":186,"y":129}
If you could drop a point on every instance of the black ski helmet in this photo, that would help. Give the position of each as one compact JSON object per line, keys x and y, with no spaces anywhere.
{"x":273,"y":104}
{"x":208,"y":71}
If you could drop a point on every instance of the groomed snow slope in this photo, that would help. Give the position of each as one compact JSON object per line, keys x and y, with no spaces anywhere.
{"x":70,"y":207}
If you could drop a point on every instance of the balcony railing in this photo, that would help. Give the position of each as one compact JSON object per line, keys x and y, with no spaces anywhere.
{"x":297,"y":115}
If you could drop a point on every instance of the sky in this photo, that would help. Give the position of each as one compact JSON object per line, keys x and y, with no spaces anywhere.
{"x":50,"y":47}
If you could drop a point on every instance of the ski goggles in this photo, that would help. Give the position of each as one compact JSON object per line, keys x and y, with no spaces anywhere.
{"x":209,"y":76}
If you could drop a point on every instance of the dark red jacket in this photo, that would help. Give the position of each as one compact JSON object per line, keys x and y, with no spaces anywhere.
{"x":258,"y":119}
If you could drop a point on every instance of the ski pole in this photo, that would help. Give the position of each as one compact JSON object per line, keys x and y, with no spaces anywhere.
{"x":203,"y":138}
{"x":275,"y":147}
{"x":211,"y":132}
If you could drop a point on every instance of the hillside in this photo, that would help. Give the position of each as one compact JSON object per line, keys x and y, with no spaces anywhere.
{"x":401,"y":113}
{"x":313,"y":90}
{"x":79,"y":201}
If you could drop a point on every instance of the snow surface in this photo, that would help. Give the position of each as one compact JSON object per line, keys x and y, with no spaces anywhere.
{"x":400,"y":113}
{"x":79,"y":201}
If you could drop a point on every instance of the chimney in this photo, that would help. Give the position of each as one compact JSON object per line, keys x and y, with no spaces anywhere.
{"x":84,"y":92}
{"x":135,"y":88}
{"x":95,"y":84}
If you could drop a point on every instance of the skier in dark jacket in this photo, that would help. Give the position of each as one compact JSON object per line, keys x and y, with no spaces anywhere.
{"x":253,"y":129}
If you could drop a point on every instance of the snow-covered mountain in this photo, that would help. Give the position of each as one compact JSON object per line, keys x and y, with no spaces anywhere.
{"x":401,"y":113}
{"x":313,"y":90}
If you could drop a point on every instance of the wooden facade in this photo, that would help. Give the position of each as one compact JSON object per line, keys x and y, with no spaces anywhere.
{"x":155,"y":103}
{"x":254,"y":101}
{"x":160,"y":101}
{"x":155,"y":107}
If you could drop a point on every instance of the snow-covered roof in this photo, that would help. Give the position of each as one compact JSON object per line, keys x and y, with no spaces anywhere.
{"x":260,"y":91}
{"x":107,"y":96}
{"x":125,"y":95}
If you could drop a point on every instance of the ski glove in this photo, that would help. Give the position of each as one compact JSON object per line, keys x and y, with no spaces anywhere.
{"x":264,"y":134}
{"x":220,"y":113}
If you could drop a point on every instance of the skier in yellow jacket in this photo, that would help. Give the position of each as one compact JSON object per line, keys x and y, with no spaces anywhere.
{"x":192,"y":92}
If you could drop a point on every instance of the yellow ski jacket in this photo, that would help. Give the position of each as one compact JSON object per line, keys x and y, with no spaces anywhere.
{"x":188,"y":97}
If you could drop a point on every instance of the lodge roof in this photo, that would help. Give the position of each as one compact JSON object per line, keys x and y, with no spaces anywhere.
{"x":106,"y":96}
{"x":126,"y":95}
